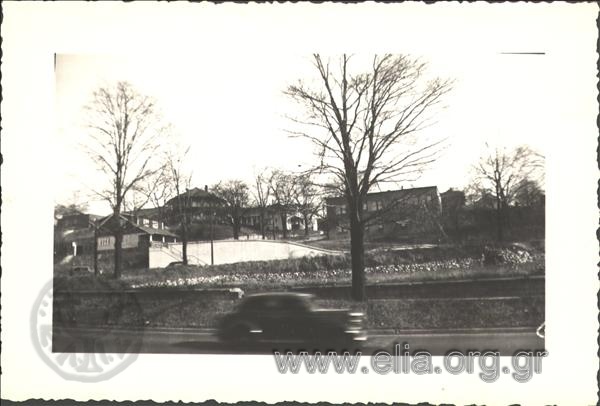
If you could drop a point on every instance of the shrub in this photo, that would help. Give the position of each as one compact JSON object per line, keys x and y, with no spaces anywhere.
{"x":512,"y":255}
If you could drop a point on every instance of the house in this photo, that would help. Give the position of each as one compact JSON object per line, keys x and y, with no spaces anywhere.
{"x":453,"y":213}
{"x":138,"y":235}
{"x":75,"y":220}
{"x":452,"y":200}
{"x":200,"y":205}
{"x":137,"y":232}
{"x":273,"y":220}
{"x":404,"y":214}
{"x":73,"y":233}
{"x":76,"y":245}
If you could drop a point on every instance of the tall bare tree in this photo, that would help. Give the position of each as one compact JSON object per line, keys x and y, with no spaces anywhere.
{"x":503,"y":174}
{"x":365,"y":127}
{"x":160,"y":190}
{"x":125,"y":130}
{"x":182,"y":202}
{"x":307,"y":199}
{"x":261,"y":194}
{"x":283,"y":192}
{"x":236,"y":195}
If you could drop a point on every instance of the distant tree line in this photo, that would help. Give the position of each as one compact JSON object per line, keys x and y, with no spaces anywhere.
{"x":505,"y":199}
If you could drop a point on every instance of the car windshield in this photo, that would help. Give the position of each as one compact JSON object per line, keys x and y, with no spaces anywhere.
{"x":276,"y":302}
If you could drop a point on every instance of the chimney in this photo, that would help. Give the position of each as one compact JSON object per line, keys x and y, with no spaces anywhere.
{"x":206,"y":188}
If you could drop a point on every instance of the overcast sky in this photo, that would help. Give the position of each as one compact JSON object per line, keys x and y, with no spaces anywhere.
{"x":228,"y":105}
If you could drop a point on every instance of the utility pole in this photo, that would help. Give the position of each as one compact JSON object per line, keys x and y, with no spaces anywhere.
{"x":95,"y":225}
{"x":212,"y":254}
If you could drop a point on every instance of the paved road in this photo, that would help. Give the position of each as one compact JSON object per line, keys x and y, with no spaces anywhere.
{"x":506,"y":342}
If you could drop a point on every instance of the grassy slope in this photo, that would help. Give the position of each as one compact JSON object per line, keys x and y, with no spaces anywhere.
{"x":382,"y":266}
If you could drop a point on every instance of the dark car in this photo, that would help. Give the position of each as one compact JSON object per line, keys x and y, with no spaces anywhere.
{"x":174,"y":264}
{"x":290,"y":317}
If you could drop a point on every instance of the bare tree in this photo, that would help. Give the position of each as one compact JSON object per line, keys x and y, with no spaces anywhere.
{"x":261,"y":195}
{"x":283,"y":192}
{"x":125,"y":131}
{"x":160,"y":190}
{"x":307,"y":199}
{"x":236,"y":196}
{"x":181,"y":184}
{"x":365,"y":128}
{"x":502,"y":174}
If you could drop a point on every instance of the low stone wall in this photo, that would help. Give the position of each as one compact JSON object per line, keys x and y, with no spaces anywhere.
{"x":493,"y":287}
{"x":399,"y":306}
{"x":202,"y":311}
{"x":457,"y":313}
{"x":144,"y":307}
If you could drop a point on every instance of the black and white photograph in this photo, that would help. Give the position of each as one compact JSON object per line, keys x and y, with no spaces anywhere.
{"x":400,"y":204}
{"x":345,"y":205}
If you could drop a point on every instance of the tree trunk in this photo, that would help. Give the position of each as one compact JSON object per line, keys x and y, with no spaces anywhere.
{"x":184,"y":241}
{"x":96,"y":271}
{"x":262,"y":225}
{"x":236,"y":229}
{"x":357,"y":250}
{"x":499,"y":225}
{"x":506,"y":218}
{"x":284,"y":225}
{"x":306,"y":223}
{"x":118,"y":251}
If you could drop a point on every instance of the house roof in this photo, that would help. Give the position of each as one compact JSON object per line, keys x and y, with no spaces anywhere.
{"x":76,"y":235}
{"x":197,"y":193}
{"x":159,"y":231}
{"x":397,"y":192}
{"x":451,"y":191}
{"x":94,"y":217}
{"x":77,"y":213}
{"x":150,"y":213}
{"x":142,"y":228}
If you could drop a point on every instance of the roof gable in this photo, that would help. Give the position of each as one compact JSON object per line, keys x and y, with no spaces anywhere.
{"x":417,"y":191}
{"x":129,"y":227}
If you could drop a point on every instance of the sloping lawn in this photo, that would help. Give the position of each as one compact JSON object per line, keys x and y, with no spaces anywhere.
{"x":382,"y":266}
